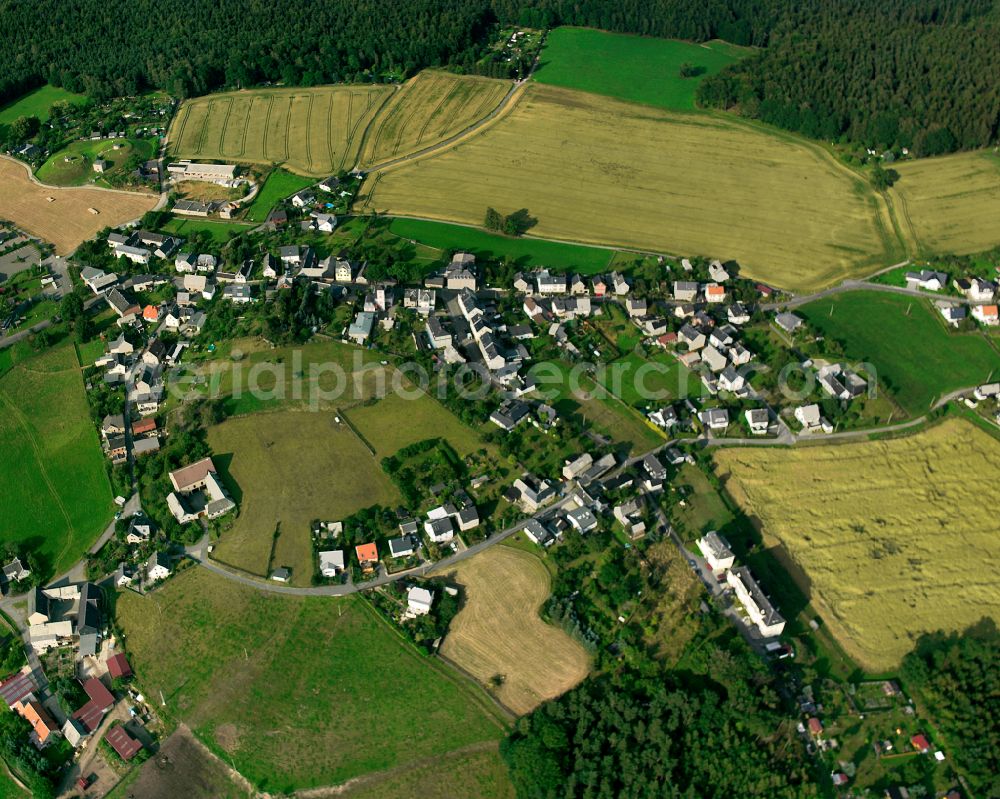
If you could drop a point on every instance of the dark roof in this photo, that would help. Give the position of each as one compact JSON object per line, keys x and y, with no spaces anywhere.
{"x":158,"y":349}
{"x":98,"y":694}
{"x":18,"y":687}
{"x":88,"y":619}
{"x":123,"y":743}
{"x":118,"y":666}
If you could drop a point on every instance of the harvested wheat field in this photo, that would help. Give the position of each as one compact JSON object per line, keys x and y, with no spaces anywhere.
{"x":896,"y":538}
{"x":600,"y":171}
{"x":430,"y":108}
{"x":499,"y":631}
{"x":952,"y":203}
{"x":313,"y":131}
{"x":63,"y":216}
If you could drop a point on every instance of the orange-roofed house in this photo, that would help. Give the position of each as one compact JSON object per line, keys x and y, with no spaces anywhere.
{"x":920,"y":743}
{"x":42,"y":723}
{"x":367,"y":556}
{"x":815,"y":726}
{"x":987,"y":314}
{"x":143,"y":426}
{"x":714,"y":292}
{"x":151,"y":313}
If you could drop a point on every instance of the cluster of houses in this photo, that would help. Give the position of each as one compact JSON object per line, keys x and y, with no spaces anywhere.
{"x":751,"y":596}
{"x":23,"y":695}
{"x":198,"y":491}
{"x":980,"y":293}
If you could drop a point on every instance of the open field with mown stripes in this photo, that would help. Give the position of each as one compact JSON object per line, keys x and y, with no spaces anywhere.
{"x":314,"y":131}
{"x":600,"y":171}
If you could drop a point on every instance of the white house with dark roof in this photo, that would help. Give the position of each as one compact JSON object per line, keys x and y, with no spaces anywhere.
{"x":762,"y":613}
{"x":716,"y":551}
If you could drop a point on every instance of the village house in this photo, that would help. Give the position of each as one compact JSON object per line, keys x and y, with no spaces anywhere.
{"x":582,"y":519}
{"x":737,"y":314}
{"x":811,"y":419}
{"x":986,"y":314}
{"x":157,"y":567}
{"x":716,"y":551}
{"x":420,"y":300}
{"x":654,"y":473}
{"x":758,"y":420}
{"x":533,"y":492}
{"x":360,"y":329}
{"x":367,"y":555}
{"x":221,"y":174}
{"x":926,"y":279}
{"x":714,"y":418}
{"x":535,"y":532}
{"x":402,"y":546}
{"x":758,"y":607}
{"x":572,"y":469}
{"x":331,"y":562}
{"x":549,"y":283}
{"x":619,"y":283}
{"x":458,"y":276}
{"x":717,"y":272}
{"x":714,"y":293}
{"x":198,"y":491}
{"x":419,"y":601}
{"x":629,"y":516}
{"x":788,"y":322}
{"x":685,"y":291}
{"x":953,"y":314}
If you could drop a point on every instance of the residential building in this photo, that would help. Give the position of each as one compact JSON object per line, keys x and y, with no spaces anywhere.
{"x":440,"y":530}
{"x":403,"y":546}
{"x":926,"y":279}
{"x":419,"y":601}
{"x":361,"y":328}
{"x":986,"y":314}
{"x":158,"y":567}
{"x":685,"y":291}
{"x":758,"y":419}
{"x":198,"y":491}
{"x":714,"y":293}
{"x":758,"y":607}
{"x":788,"y":322}
{"x":572,"y":469}
{"x":714,"y":418}
{"x":717,"y":552}
{"x":582,"y":519}
{"x":331,"y":562}
{"x":367,"y":555}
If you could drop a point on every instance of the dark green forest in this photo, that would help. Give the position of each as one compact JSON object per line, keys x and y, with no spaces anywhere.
{"x":899,"y":73}
{"x":957,"y":679}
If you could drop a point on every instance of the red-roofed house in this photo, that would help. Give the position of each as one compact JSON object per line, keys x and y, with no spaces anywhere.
{"x":40,"y":721}
{"x":118,"y":666}
{"x":714,"y":292}
{"x":151,"y":313}
{"x":123,"y":743}
{"x":101,"y":701}
{"x":815,"y":726}
{"x":367,"y":555}
{"x":920,"y":743}
{"x":143,"y":426}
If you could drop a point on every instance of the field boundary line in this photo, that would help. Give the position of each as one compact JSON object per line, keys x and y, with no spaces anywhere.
{"x":309,"y":114}
{"x":329,"y":134}
{"x":267,"y":127}
{"x":354,"y":429}
{"x":375,"y":120}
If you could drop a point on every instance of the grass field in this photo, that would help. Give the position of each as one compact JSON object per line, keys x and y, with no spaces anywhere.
{"x":637,"y":380}
{"x":54,"y":493}
{"x":292,"y":467}
{"x":600,"y":411}
{"x":499,"y":631}
{"x":279,"y":185}
{"x":895,"y":537}
{"x":912,"y":350}
{"x":429,"y":108}
{"x":67,"y":220}
{"x":220,"y":232}
{"x":297,"y":692}
{"x":395,"y":422}
{"x":314,"y":131}
{"x":951,"y":203}
{"x":635,"y":68}
{"x":37,"y":104}
{"x":525,"y":252}
{"x":78,"y":169}
{"x":599,"y":171}
{"x":477,"y":771}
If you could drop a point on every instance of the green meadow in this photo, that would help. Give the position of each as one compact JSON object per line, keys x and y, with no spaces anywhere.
{"x":636,"y":68}
{"x":917,"y":357}
{"x":37,"y":104}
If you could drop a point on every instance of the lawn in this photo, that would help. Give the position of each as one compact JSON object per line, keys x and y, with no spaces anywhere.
{"x":297,"y":692}
{"x":37,"y":104}
{"x":889,"y":539}
{"x":56,"y":498}
{"x":429,"y":108}
{"x":499,"y":631}
{"x":600,"y":171}
{"x":220,"y":232}
{"x":647,"y":382}
{"x":704,"y":509}
{"x":911,"y":348}
{"x":952,"y":203}
{"x":571,"y":391}
{"x":526,"y":252}
{"x":68,"y":216}
{"x":278,"y":185}
{"x":292,"y":467}
{"x":73,"y":165}
{"x":396,"y":421}
{"x":313,"y":131}
{"x":635,"y":68}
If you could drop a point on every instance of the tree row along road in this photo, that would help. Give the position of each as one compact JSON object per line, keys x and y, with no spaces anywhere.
{"x":199,"y":554}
